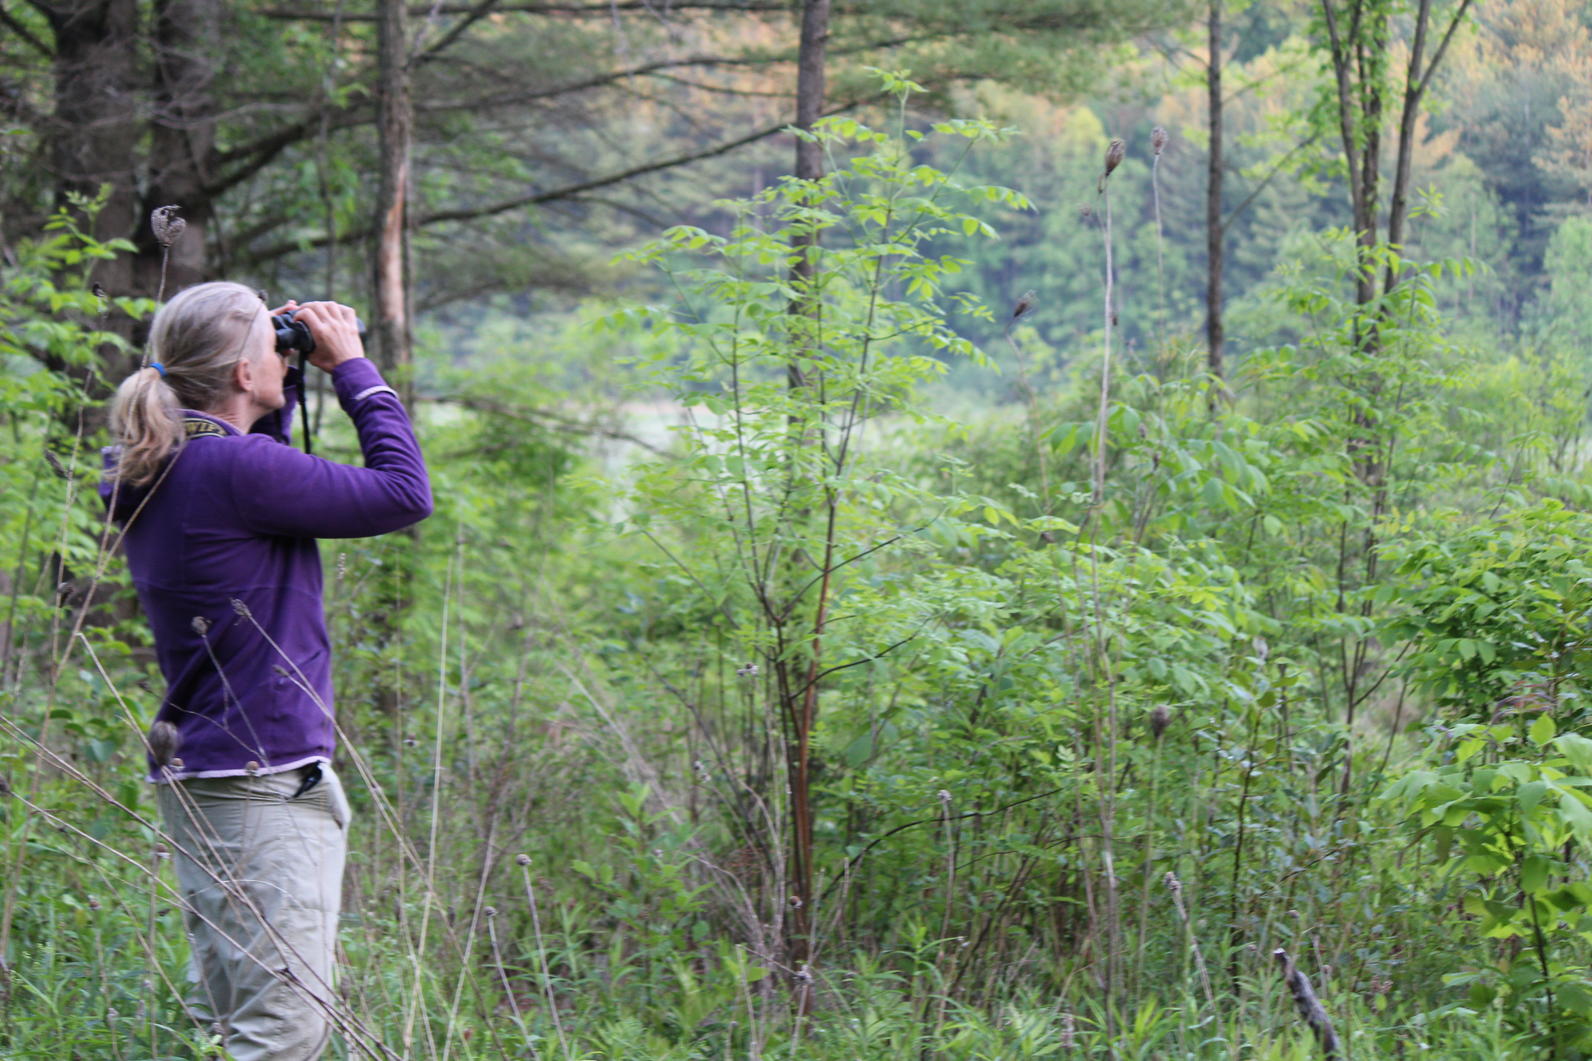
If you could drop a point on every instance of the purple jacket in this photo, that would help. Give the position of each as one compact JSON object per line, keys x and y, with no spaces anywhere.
{"x":223,"y":554}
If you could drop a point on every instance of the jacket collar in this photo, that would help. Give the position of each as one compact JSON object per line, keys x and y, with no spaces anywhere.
{"x":199,"y":425}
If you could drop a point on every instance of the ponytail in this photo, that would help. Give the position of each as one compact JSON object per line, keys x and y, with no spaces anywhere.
{"x":146,"y":417}
{"x":196,"y":339}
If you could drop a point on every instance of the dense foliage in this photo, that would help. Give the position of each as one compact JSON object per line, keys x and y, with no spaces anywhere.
{"x":832,"y":661}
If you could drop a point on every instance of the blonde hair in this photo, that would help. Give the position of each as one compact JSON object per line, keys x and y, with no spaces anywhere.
{"x":197,"y":337}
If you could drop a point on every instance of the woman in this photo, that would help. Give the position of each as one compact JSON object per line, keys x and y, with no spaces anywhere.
{"x":220,"y":519}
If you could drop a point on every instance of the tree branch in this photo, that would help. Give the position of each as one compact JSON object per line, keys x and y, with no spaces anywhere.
{"x":1233,"y":214}
{"x":1340,"y":71}
{"x":1437,"y":56}
{"x":537,"y":198}
{"x":471,"y":17}
{"x":597,"y":10}
{"x":7,"y":19}
{"x":251,"y":158}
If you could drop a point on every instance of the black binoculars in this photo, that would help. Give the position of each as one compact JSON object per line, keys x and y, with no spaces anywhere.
{"x":293,"y":336}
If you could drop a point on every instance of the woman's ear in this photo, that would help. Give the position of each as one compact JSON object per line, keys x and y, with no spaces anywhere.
{"x":244,"y":375}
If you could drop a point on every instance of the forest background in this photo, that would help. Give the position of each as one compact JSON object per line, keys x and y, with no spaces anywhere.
{"x":1095,"y":523}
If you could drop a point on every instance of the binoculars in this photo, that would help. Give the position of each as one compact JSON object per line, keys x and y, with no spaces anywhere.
{"x":293,"y":336}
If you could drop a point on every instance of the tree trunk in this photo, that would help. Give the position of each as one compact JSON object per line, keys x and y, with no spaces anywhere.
{"x":395,"y":119}
{"x":809,"y":154}
{"x":393,"y":333}
{"x":182,"y":142}
{"x":1358,"y":35}
{"x":801,"y":702}
{"x":91,"y":133}
{"x":1213,"y":198}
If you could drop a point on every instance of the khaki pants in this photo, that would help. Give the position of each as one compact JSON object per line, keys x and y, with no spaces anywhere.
{"x":262,"y":872}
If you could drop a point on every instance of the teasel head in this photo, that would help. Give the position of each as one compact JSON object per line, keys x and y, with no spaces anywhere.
{"x":166,"y":225}
{"x":1158,"y":139}
{"x":1023,"y":305}
{"x":163,"y":742}
{"x":1116,"y":151}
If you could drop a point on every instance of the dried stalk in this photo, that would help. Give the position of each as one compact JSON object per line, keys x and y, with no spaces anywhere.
{"x":1310,"y":1008}
{"x":168,"y":229}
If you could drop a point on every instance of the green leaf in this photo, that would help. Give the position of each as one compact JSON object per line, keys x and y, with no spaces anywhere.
{"x":1534,"y":874}
{"x":1529,"y":795}
{"x":1578,"y":750}
{"x":1576,"y":815}
{"x":1542,"y":730}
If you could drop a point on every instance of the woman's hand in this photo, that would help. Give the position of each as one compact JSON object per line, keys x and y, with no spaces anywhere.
{"x":336,"y":331}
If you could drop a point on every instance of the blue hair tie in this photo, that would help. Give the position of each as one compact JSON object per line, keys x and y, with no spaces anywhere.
{"x":158,"y":367}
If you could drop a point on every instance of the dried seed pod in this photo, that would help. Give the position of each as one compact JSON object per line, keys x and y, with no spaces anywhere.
{"x":1115,"y":152}
{"x":163,"y":742}
{"x":1024,"y":304}
{"x":1158,"y":139}
{"x":166,"y":225}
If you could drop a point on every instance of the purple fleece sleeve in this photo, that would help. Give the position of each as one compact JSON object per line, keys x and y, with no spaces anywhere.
{"x":279,"y":490}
